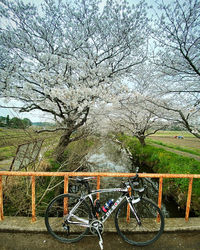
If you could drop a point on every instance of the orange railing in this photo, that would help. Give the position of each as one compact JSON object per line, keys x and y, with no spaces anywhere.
{"x":66,"y":176}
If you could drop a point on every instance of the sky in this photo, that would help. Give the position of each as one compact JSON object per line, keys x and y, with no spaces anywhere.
{"x":34,"y":116}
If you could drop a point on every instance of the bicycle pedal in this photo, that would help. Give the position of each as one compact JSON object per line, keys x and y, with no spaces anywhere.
{"x":67,"y":228}
{"x":101,"y":244}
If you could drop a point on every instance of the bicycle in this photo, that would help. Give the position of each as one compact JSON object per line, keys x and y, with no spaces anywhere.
{"x":70,"y":217}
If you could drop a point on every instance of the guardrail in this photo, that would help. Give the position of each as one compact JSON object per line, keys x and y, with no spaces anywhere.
{"x":66,"y":176}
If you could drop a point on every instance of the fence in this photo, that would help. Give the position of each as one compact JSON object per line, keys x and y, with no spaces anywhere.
{"x":66,"y":176}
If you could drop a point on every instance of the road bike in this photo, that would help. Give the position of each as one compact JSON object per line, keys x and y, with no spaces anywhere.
{"x":70,"y":217}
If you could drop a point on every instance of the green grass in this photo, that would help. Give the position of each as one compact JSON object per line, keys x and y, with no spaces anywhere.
{"x":7,"y":152}
{"x":183,"y":149}
{"x":11,"y":138}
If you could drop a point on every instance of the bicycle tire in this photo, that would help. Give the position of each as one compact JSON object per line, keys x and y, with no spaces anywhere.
{"x":150,"y":228}
{"x":54,"y":218}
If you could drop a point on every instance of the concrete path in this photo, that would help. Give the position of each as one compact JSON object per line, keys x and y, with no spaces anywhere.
{"x":19,"y":233}
{"x":37,"y":241}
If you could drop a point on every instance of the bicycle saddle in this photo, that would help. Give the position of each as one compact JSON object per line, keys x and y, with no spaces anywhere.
{"x":80,"y":179}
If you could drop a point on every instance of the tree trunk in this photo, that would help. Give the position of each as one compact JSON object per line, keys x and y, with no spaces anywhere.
{"x":63,"y":143}
{"x":142,"y":140}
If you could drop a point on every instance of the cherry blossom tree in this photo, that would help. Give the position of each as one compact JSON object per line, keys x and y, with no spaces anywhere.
{"x":65,"y":56}
{"x":178,"y":111}
{"x":170,"y":106}
{"x":178,"y":35}
{"x":177,"y":57}
{"x":134,"y":116}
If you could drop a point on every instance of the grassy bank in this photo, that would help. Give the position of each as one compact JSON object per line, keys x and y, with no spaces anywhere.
{"x":7,"y":152}
{"x":162,"y":161}
{"x":73,"y":156}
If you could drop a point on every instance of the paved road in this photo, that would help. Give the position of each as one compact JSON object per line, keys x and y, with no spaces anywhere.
{"x":34,"y":241}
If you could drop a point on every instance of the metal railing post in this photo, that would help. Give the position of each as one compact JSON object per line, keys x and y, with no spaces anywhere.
{"x":33,"y":199}
{"x":160,"y":196}
{"x":188,"y":199}
{"x":1,"y":199}
{"x":66,"y":183}
{"x":128,"y":209}
{"x":160,"y":192}
{"x":98,"y":186}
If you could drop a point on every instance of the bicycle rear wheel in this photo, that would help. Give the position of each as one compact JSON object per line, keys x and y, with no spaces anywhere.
{"x":150,"y":228}
{"x":55,"y":219}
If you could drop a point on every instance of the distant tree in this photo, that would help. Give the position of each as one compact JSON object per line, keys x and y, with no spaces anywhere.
{"x":16,"y":122}
{"x":179,"y":112}
{"x":7,"y":120}
{"x":26,"y":122}
{"x":2,"y":121}
{"x":69,"y":55}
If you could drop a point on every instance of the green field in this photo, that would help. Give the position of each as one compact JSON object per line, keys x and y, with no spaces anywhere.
{"x":191,"y":150}
{"x":10,"y":139}
{"x":189,"y":143}
{"x":173,"y":133}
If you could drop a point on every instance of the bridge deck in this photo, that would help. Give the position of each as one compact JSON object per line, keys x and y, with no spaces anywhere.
{"x":24,"y":224}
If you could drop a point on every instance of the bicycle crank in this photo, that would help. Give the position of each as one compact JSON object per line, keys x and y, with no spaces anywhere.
{"x":96,"y":224}
{"x":96,"y":228}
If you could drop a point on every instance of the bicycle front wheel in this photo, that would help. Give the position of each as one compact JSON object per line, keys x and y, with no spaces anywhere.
{"x":56,"y":214}
{"x":148,"y":230}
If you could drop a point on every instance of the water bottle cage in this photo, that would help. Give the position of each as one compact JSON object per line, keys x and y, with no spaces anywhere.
{"x":97,"y":206}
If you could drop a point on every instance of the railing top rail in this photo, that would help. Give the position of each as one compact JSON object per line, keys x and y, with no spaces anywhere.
{"x":101,"y":174}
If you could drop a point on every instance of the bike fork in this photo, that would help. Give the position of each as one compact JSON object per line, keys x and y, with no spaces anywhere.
{"x":135,"y":213}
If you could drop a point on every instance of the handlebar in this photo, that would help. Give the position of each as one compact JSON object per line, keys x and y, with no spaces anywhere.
{"x":133,"y":181}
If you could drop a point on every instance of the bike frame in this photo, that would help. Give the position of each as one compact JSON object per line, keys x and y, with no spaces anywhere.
{"x":125,"y":195}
